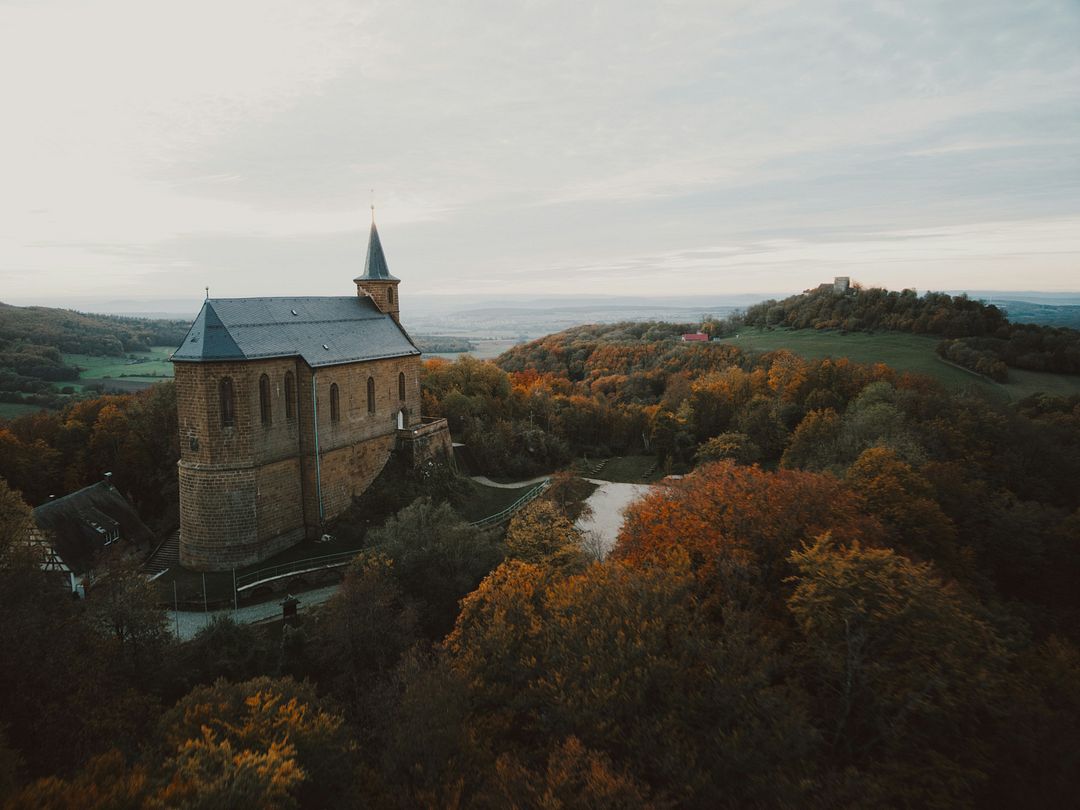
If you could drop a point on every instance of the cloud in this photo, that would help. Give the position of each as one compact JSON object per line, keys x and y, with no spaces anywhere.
{"x":153,"y":143}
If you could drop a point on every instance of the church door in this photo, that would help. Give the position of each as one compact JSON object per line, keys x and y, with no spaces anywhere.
{"x":401,"y":420}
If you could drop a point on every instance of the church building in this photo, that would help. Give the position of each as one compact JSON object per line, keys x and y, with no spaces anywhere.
{"x":288,"y":408}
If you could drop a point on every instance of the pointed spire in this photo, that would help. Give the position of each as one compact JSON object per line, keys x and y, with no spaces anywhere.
{"x":375,"y":266}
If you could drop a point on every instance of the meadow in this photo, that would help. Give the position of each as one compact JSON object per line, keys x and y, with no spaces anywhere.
{"x":904,"y":352}
{"x":135,"y":367}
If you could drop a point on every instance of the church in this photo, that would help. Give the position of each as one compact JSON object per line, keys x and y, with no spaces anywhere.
{"x":287,"y":409}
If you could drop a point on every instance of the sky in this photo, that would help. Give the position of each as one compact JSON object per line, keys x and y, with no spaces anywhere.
{"x":150,"y":149}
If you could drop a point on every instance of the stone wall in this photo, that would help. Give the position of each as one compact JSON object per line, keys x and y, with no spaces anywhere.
{"x":428,"y":442}
{"x":253,"y":488}
{"x":381,"y":292}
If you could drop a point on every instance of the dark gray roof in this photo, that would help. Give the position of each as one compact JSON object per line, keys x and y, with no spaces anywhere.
{"x":322,"y":331}
{"x":375,"y":266}
{"x":79,"y":524}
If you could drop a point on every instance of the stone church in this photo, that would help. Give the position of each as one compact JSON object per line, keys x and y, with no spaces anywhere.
{"x":288,"y":408}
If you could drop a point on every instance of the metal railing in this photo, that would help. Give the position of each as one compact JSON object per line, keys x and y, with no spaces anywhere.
{"x":508,"y":512}
{"x":295,"y":568}
{"x":253,"y":579}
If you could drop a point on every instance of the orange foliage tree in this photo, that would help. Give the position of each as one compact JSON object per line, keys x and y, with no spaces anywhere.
{"x":739,"y":524}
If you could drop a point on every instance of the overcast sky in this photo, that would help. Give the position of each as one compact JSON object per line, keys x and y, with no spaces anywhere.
{"x":148,"y":149}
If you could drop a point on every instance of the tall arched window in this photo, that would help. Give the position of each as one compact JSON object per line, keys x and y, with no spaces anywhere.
{"x":264,"y":399}
{"x":290,"y":395}
{"x":371,"y":395}
{"x":401,"y":385}
{"x":335,"y":403}
{"x":390,"y":295}
{"x":228,"y":402}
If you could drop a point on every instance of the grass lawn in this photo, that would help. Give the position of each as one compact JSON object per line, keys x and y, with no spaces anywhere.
{"x":482,"y":501}
{"x":151,"y":365}
{"x":903,"y":352}
{"x":622,"y":469}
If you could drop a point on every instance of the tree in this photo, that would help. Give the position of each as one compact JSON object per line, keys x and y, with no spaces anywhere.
{"x":542,"y":535}
{"x":734,"y":446}
{"x":126,"y":606}
{"x":904,"y":670}
{"x":263,"y":742}
{"x":627,"y":660}
{"x":573,"y":778}
{"x":903,"y":500}
{"x":813,"y":445}
{"x":359,"y":635}
{"x":739,"y":524}
{"x":438,"y":558}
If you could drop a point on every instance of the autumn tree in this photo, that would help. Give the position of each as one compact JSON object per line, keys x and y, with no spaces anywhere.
{"x":625,"y":659}
{"x":267,"y":742}
{"x":904,"y":670}
{"x":737,"y":447}
{"x":543,"y":535}
{"x":903,"y":500}
{"x":739,"y":524}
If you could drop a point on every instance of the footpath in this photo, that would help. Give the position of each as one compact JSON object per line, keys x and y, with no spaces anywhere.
{"x":185,"y":624}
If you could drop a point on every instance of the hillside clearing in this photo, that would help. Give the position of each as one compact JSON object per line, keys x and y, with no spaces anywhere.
{"x":903,"y":352}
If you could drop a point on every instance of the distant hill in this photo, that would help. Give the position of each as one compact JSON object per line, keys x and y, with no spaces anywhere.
{"x":1067,"y":315}
{"x":976,"y":335}
{"x":33,"y":341}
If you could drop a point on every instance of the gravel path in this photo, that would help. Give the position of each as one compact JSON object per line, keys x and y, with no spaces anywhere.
{"x":487,"y":482}
{"x":608,"y":502}
{"x":185,"y":624}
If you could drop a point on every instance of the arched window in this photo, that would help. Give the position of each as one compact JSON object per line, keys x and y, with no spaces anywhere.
{"x":335,"y":403}
{"x":228,"y":402}
{"x":290,"y":395}
{"x":401,"y":385}
{"x":371,"y":395}
{"x":264,"y":399}
{"x":390,"y":295}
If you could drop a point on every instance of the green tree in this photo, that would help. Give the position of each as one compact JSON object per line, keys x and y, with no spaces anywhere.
{"x":438,"y":558}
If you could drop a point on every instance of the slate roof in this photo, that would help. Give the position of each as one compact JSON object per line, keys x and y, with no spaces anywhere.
{"x":79,"y":524}
{"x":323,"y":331}
{"x":375,"y":266}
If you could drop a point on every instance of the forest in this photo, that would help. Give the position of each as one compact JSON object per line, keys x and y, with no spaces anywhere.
{"x":32,"y":340}
{"x":976,"y":335}
{"x":861,"y":592}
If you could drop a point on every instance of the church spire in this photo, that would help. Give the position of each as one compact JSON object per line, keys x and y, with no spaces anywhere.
{"x":376,"y":282}
{"x":375,"y":266}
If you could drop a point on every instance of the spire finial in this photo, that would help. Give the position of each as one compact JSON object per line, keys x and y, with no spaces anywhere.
{"x":372,"y":206}
{"x":207,"y":293}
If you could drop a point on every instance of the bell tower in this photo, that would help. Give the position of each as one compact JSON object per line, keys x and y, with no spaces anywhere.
{"x":376,"y":282}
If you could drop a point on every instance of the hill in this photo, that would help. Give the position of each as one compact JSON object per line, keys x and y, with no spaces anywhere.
{"x":904,"y":352}
{"x":36,"y":344}
{"x":976,"y":335}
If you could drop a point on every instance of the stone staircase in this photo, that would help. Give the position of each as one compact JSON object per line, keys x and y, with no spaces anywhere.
{"x":164,"y":557}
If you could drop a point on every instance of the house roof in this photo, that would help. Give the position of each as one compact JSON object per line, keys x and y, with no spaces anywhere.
{"x":80,"y":524}
{"x":324,"y":331}
{"x":375,"y":266}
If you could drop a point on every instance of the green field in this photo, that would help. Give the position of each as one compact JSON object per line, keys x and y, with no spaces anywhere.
{"x":903,"y":352}
{"x":151,"y":365}
{"x":9,"y":410}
